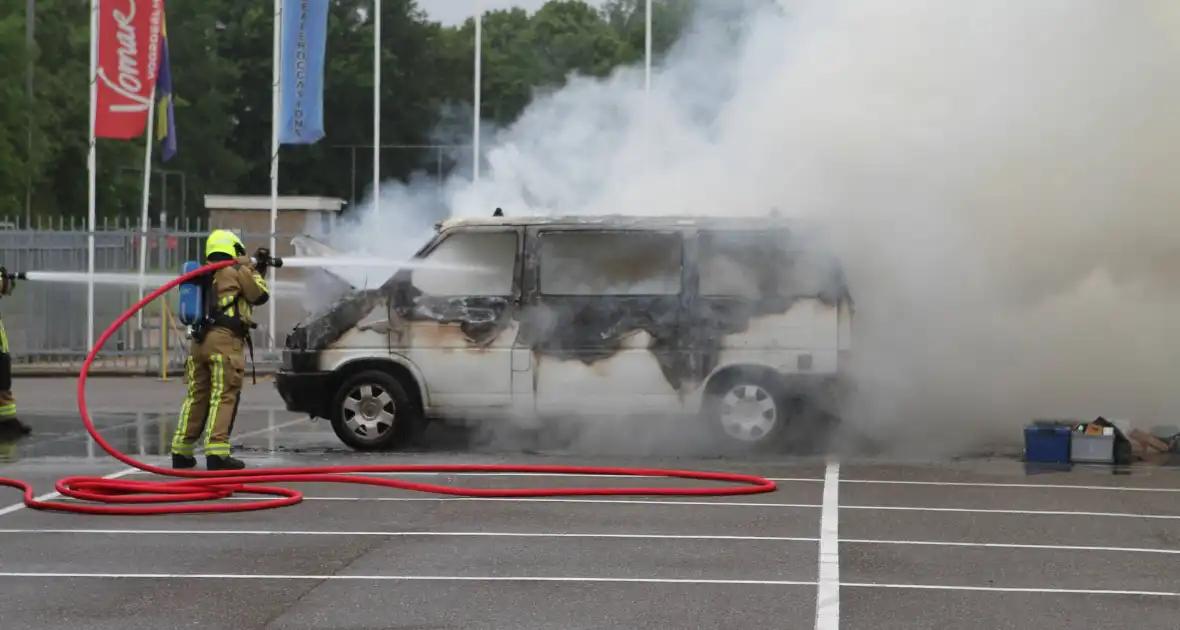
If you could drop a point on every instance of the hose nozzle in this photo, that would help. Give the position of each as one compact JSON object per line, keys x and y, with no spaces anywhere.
{"x":272,"y":261}
{"x":263,"y":258}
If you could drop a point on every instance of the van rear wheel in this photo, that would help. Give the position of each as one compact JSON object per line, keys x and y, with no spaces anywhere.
{"x":747,"y":411}
{"x":372,"y":411}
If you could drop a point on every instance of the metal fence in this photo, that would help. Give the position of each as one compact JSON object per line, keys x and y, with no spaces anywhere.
{"x":46,"y":321}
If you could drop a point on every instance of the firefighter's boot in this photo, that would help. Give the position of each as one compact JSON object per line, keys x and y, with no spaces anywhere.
{"x":13,"y":427}
{"x":183,"y":461}
{"x":223,"y":462}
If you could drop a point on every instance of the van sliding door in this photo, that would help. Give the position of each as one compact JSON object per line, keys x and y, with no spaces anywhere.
{"x":603,"y":320}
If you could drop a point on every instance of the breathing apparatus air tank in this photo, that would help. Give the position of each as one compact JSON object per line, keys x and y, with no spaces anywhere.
{"x":191,"y":307}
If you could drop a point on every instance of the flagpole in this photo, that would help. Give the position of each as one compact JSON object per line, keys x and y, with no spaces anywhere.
{"x":478,"y":81}
{"x":145,"y":203}
{"x":647,"y":39}
{"x":91,"y":164}
{"x":276,"y":75}
{"x":377,"y":105}
{"x":647,"y":51}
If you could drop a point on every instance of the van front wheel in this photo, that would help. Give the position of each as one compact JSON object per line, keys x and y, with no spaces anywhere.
{"x":372,"y":411}
{"x":746,"y":411}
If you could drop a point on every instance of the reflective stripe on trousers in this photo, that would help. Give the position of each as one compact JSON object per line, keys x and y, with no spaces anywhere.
{"x":7,"y":398}
{"x":202,"y":403}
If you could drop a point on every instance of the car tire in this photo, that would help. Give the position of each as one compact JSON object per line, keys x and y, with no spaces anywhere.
{"x":747,"y":411}
{"x":372,"y":411}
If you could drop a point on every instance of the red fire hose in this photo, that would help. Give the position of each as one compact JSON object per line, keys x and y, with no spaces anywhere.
{"x":207,"y":486}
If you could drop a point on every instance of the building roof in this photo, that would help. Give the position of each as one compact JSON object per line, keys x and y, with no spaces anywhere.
{"x":287,"y":203}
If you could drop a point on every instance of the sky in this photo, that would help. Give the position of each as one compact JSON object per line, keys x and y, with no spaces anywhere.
{"x":452,"y":12}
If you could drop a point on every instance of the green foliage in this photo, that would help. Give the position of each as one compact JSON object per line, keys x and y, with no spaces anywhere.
{"x":13,"y":107}
{"x":221,"y":53}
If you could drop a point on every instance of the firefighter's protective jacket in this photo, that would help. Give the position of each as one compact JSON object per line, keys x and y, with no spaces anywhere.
{"x":239,"y":289}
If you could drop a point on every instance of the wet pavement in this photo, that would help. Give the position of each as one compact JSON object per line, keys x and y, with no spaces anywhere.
{"x":967,"y":544}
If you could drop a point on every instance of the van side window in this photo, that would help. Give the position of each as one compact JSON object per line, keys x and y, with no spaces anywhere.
{"x":488,"y":258}
{"x":609,"y":263}
{"x":749,"y":265}
{"x":760,"y":265}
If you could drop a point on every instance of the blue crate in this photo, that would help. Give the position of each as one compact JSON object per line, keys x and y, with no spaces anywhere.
{"x":1047,"y":442}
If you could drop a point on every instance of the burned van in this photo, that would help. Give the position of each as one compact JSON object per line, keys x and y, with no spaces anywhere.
{"x":737,"y":323}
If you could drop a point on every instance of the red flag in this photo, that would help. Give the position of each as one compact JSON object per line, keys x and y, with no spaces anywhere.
{"x":128,"y":60}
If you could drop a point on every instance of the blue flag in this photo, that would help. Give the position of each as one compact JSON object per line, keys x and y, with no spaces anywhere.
{"x":301,"y":87}
{"x":165,"y":118}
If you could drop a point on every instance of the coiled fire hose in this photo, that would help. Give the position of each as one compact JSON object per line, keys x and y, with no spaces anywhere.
{"x":125,"y":497}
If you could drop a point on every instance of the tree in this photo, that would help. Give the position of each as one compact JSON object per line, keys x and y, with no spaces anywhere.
{"x":669,"y":19}
{"x":207,"y":83}
{"x":13,"y":115}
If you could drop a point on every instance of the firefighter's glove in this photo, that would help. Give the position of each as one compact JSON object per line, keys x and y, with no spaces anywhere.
{"x":7,"y":282}
{"x":261,"y":260}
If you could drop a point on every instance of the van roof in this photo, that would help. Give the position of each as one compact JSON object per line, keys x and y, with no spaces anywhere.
{"x":629,"y":221}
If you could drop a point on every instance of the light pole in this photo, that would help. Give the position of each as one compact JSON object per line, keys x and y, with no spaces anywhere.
{"x":478,"y":96}
{"x":647,"y":51}
{"x":377,"y":105}
{"x":30,"y":21}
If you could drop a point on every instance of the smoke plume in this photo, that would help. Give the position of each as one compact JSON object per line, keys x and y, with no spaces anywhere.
{"x":999,"y":178}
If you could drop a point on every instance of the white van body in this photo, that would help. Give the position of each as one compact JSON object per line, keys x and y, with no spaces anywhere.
{"x":732,"y":321}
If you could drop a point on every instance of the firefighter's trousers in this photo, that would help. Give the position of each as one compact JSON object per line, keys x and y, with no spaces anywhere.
{"x":214,"y":372}
{"x":7,"y":399}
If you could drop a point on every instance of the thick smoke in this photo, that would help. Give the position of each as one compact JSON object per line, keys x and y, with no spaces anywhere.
{"x":999,"y":177}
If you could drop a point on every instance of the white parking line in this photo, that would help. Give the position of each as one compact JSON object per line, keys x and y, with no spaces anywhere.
{"x":239,"y":532}
{"x":567,"y":579}
{"x":1028,"y":486}
{"x":723,"y":503}
{"x":940,"y":543}
{"x":49,"y":496}
{"x":827,"y":596}
{"x":405,"y":578}
{"x":705,"y":537}
{"x":1000,"y":589}
{"x":902,"y":508}
{"x":718,"y":503}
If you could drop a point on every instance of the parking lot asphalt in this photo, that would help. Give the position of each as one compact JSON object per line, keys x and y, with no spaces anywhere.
{"x":862,"y":545}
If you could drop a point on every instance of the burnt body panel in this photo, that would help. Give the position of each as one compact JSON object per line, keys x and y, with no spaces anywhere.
{"x":320,"y":330}
{"x":591,"y":329}
{"x":480,"y":319}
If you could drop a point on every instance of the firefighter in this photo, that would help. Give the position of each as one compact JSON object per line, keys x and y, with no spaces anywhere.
{"x":216,"y":362}
{"x":10,"y":425}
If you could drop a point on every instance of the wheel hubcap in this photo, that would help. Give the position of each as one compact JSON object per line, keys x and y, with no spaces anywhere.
{"x":748,"y":413}
{"x":369,"y":412}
